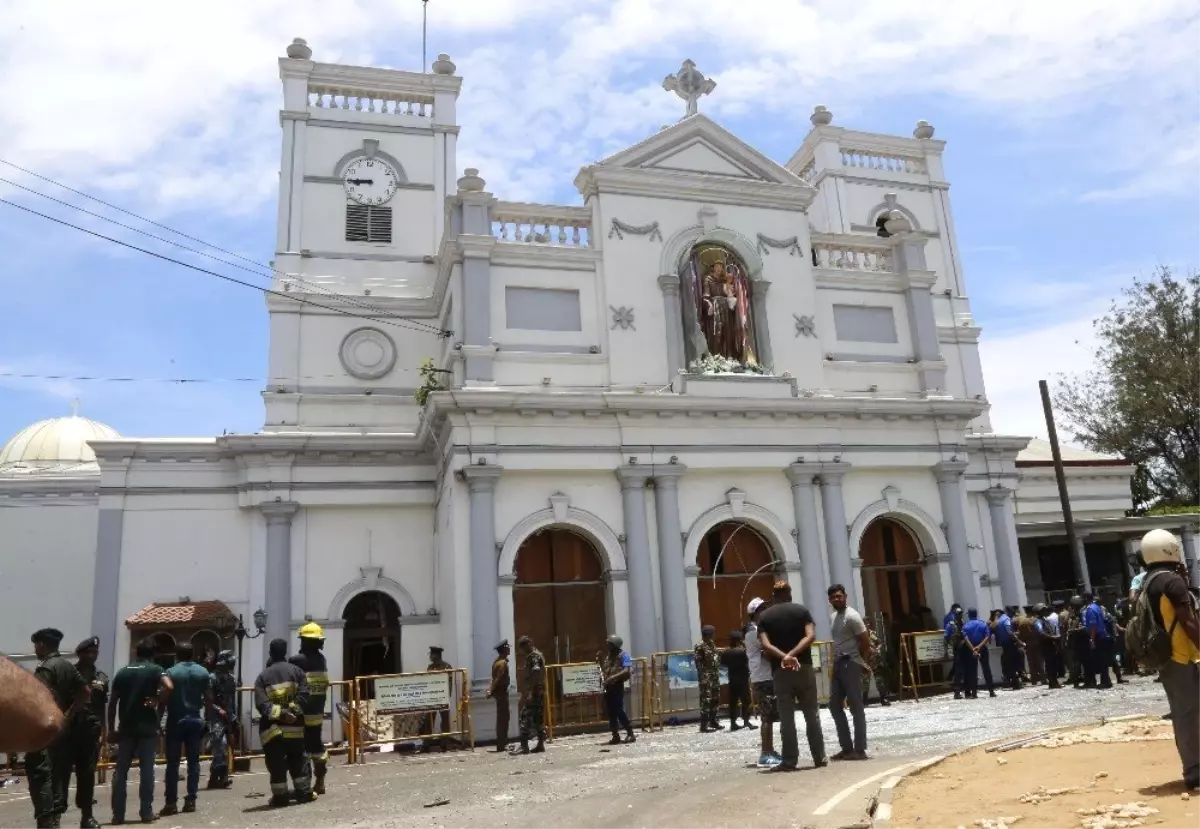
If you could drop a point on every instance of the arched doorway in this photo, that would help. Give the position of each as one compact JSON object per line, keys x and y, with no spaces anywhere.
{"x":559,"y":597}
{"x":892,"y":575}
{"x":735,"y":566}
{"x":371,"y":636}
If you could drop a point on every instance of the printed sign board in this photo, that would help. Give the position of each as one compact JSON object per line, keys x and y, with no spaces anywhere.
{"x":581,"y":679}
{"x":682,"y":673}
{"x":930,"y":647}
{"x":405,"y":693}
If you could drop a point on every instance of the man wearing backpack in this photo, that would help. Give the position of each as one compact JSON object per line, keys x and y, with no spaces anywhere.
{"x":1164,"y":634}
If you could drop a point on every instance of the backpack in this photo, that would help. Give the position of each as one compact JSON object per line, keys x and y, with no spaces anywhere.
{"x":1145,"y":639}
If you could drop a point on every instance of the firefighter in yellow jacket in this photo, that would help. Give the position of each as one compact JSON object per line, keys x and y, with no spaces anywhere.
{"x":312,"y":662}
{"x":280,"y":694}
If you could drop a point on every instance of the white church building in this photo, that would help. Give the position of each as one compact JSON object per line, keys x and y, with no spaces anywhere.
{"x":717,"y":371}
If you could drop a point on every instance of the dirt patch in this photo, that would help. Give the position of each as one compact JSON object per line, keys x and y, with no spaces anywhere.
{"x":1105,"y":777}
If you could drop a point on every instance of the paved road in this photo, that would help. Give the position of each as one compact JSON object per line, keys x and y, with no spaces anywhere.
{"x":672,"y":778}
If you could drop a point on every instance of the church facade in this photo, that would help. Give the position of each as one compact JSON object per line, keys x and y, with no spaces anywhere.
{"x":486,"y":419}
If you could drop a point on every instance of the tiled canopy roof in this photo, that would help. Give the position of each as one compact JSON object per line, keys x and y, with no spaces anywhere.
{"x":181,"y":613}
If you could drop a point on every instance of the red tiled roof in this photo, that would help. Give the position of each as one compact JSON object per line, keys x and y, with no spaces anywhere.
{"x":181,"y":613}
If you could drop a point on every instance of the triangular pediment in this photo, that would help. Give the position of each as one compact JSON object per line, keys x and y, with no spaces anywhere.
{"x":700,"y":146}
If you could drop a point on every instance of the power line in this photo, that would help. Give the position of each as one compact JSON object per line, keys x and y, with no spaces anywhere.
{"x":295,"y":277}
{"x":226,"y":277}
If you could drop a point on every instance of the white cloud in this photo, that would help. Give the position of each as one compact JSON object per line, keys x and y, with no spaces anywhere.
{"x":1014,"y":363}
{"x":173,"y":105}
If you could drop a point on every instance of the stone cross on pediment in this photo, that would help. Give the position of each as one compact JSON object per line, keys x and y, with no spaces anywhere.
{"x":690,"y":84}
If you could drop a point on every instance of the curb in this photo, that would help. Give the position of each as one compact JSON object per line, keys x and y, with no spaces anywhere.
{"x":879,"y":813}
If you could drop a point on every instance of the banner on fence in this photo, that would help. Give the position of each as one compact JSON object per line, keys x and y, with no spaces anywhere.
{"x":929,"y":647}
{"x":578,"y":680}
{"x":682,"y":673}
{"x":406,"y":693}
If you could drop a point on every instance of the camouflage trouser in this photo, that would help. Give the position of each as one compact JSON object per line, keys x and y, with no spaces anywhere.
{"x":532,"y":718}
{"x":710,"y":697}
{"x":881,"y":682}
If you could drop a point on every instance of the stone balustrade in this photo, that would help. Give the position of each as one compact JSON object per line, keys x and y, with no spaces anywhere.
{"x":886,"y":162}
{"x":542,"y":224}
{"x":364,"y":100}
{"x":851,"y":253}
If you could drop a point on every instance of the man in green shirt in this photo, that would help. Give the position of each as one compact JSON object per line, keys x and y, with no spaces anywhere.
{"x":49,"y":770}
{"x":190,"y":689}
{"x":135,"y":693}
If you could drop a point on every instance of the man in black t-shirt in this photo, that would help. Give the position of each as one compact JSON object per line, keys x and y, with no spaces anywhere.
{"x":787,"y":632}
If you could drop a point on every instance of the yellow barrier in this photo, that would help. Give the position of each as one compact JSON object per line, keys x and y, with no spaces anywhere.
{"x":675,"y":689}
{"x":923,"y":657}
{"x":403,"y":708}
{"x":573,"y":701}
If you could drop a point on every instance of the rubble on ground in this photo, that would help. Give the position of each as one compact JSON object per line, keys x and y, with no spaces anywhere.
{"x":1116,"y":816}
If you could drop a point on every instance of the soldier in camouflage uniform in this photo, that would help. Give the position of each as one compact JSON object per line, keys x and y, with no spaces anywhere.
{"x":49,"y":770}
{"x":532,"y":696}
{"x":86,"y":731}
{"x":878,"y":670}
{"x":708,"y":667}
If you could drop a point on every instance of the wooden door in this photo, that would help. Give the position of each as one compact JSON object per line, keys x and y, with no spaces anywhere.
{"x":735,"y":566}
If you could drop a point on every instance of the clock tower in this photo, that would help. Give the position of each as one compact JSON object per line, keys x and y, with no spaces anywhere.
{"x":368,"y":158}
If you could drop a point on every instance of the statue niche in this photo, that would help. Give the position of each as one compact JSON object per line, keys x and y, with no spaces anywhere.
{"x":718,"y":317}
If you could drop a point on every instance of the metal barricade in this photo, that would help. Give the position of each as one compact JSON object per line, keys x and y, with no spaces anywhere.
{"x":393,"y":709}
{"x":675,"y":688}
{"x":574,"y":697}
{"x":924,"y":656}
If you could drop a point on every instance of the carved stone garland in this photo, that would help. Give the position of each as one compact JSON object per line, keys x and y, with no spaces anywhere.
{"x":620,"y":228}
{"x":792,"y":245}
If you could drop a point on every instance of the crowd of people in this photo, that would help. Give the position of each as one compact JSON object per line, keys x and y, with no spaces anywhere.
{"x":770,"y":669}
{"x":180,"y":705}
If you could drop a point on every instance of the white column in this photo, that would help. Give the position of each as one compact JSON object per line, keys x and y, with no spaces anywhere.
{"x":669,"y":283}
{"x":619,"y":617}
{"x":677,"y":629}
{"x":1008,"y":557}
{"x":1081,"y":561}
{"x":278,"y":599}
{"x":837,"y":540}
{"x":485,"y":578}
{"x":643,"y":634}
{"x":803,"y":477}
{"x":949,"y":476}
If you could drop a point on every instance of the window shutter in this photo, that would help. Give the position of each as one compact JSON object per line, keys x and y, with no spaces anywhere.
{"x":368,"y":223}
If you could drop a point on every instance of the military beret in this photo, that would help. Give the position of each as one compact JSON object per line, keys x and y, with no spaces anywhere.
{"x":502,"y":645}
{"x":708,"y":630}
{"x":88,"y":644}
{"x":51,"y":636}
{"x":524,"y":640}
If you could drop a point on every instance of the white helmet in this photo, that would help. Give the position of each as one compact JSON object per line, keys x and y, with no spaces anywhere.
{"x":1161,"y":547}
{"x":754,"y":605}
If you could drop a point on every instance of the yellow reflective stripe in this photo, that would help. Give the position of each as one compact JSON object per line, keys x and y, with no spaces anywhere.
{"x":275,"y":713}
{"x":281,"y":691}
{"x":292,"y":732}
{"x":313,"y":719}
{"x":317,"y":679}
{"x":271,"y":733}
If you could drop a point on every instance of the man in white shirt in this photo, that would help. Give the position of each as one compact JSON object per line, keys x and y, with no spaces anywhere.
{"x":851,"y":657}
{"x":762,"y":684}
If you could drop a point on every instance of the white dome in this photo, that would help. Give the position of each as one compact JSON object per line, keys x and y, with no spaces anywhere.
{"x":61,"y":440}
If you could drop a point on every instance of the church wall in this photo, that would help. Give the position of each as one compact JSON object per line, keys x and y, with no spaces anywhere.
{"x":862,"y":199}
{"x":47,"y":563}
{"x":520,"y":494}
{"x":1095,"y":492}
{"x":195,"y":546}
{"x":340,"y":540}
{"x":632,"y":266}
{"x":325,"y":147}
{"x":324,"y":229}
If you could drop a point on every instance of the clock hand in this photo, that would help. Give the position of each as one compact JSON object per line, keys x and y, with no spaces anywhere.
{"x":360,"y":181}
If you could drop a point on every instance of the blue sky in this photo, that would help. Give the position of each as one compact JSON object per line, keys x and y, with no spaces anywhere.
{"x":1072,"y":135}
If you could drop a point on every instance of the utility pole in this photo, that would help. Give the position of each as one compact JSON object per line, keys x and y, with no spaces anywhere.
{"x":1077,"y":552}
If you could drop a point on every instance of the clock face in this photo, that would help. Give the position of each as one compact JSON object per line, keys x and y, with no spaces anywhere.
{"x":369,"y":180}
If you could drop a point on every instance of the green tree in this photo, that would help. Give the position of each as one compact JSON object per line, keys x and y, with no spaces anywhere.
{"x":1142,"y":398}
